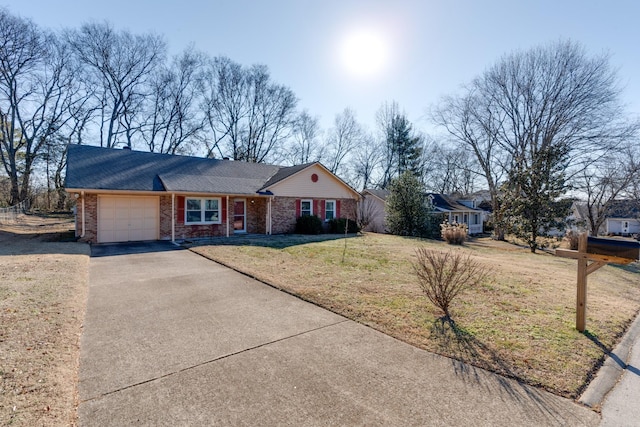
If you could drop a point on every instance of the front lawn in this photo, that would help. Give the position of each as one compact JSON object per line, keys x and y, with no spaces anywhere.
{"x":520,"y":322}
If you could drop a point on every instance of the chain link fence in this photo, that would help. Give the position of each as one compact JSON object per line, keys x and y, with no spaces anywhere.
{"x":10,"y":215}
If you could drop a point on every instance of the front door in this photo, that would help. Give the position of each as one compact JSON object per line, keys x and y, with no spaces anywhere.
{"x":239,"y":216}
{"x":625,"y":227}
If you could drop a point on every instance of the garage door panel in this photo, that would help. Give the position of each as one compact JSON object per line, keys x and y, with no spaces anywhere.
{"x":123,"y":219}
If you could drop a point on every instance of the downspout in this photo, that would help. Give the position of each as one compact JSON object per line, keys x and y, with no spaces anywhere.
{"x":82,"y":196}
{"x":173,"y":217}
{"x":228,"y":213}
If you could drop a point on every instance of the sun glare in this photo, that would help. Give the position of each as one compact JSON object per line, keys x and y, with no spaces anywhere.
{"x":364,"y":53}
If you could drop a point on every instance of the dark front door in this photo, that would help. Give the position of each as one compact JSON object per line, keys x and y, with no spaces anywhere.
{"x":239,"y":216}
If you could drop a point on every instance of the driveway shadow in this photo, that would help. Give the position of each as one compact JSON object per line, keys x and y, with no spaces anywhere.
{"x":535,"y":400}
{"x":129,"y":248}
{"x":279,"y":241}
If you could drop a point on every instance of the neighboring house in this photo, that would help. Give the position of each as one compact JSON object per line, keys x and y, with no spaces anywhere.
{"x":124,"y":195}
{"x":623,"y":218}
{"x":372,"y":208}
{"x":453,"y":211}
{"x":459,"y":212}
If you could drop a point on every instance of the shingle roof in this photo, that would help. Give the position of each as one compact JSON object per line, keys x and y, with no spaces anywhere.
{"x":445,"y":204}
{"x":624,"y":209}
{"x":285,"y":172}
{"x":379,"y":193}
{"x":90,"y":167}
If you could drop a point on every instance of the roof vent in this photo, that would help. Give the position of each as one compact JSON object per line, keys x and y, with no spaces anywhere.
{"x":225,"y":158}
{"x":126,"y":147}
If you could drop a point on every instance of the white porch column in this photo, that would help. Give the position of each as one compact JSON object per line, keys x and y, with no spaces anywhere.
{"x":173,"y":217}
{"x":228,"y":215}
{"x":82,"y":195}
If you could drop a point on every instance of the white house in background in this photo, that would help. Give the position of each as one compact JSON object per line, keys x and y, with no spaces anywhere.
{"x":372,"y":206}
{"x":459,"y":212}
{"x":464,"y":211}
{"x":623,"y":218}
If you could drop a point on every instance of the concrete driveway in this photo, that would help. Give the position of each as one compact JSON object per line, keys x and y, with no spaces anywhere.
{"x":171,"y":338}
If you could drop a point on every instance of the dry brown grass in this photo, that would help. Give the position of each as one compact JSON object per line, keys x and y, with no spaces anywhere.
{"x":43,"y":285}
{"x":520,"y":322}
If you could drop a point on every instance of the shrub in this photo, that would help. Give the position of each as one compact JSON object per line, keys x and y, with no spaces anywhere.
{"x":571,"y":236}
{"x":443,"y":275}
{"x":338,"y":225}
{"x":308,"y":224}
{"x":453,"y":234}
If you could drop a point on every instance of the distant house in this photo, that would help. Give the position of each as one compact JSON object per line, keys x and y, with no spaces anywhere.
{"x":459,"y":212}
{"x":124,"y":195}
{"x":623,"y":218}
{"x":372,"y":208}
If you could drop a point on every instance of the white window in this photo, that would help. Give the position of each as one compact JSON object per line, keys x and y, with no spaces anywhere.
{"x":476,"y":219}
{"x":202,"y":211}
{"x":329,"y":210}
{"x":306,"y":208}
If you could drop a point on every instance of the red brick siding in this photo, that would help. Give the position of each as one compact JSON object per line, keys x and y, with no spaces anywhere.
{"x":285,"y":211}
{"x":90,"y":218}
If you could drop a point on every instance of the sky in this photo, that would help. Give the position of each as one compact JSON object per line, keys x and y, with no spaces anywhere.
{"x":359,"y":54}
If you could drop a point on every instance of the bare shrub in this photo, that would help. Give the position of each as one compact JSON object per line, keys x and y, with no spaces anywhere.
{"x":443,"y":275}
{"x":453,"y":233}
{"x":571,"y":236}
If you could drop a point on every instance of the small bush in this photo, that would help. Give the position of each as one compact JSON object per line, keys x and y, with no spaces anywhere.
{"x":571,"y":236}
{"x":443,"y":275}
{"x":454,"y":234}
{"x":337,"y":226}
{"x":308,"y":224}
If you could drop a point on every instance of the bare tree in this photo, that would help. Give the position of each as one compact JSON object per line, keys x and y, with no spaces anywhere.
{"x":611,"y":177}
{"x":304,"y":146}
{"x":223,"y":85}
{"x":538,"y":118}
{"x":450,"y":170}
{"x":35,"y":93}
{"x":366,"y":162}
{"x":172,"y":117}
{"x":248,"y":115}
{"x":472,"y":123}
{"x":119,"y":65}
{"x":345,"y":135}
{"x":270,"y":118}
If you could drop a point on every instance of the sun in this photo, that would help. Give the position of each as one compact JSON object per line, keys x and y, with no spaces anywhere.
{"x":364,"y":52}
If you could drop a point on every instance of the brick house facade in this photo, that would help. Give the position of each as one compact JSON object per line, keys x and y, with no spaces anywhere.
{"x":124,"y":195}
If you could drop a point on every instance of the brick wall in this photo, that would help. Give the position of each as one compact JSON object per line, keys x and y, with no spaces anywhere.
{"x":90,"y":218}
{"x":283,"y":212}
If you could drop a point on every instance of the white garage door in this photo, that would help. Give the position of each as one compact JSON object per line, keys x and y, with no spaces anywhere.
{"x":124,"y":219}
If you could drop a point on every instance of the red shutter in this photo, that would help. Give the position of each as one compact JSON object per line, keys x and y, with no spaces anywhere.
{"x":297,"y":208}
{"x":337,"y":208}
{"x":316,"y":208}
{"x":322,"y":209}
{"x":223,"y":201}
{"x":180,"y":219}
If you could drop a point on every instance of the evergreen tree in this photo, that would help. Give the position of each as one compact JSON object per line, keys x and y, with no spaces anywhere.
{"x":532,"y":204}
{"x":404,"y":149}
{"x":408,"y":210}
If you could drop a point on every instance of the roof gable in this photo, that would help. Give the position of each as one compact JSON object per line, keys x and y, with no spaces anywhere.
{"x":299,"y":181}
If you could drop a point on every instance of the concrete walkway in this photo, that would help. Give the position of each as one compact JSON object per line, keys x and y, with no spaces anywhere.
{"x":616,"y":388}
{"x":171,"y":338}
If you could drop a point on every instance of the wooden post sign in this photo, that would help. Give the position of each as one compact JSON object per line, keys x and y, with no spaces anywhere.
{"x":592,"y":254}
